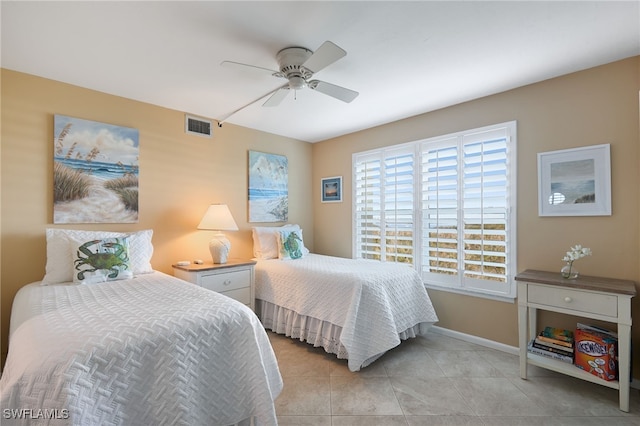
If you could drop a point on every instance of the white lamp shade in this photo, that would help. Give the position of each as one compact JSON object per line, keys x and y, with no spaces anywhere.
{"x":218,"y":218}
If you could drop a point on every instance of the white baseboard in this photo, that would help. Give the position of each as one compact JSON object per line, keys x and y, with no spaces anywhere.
{"x":513,"y":350}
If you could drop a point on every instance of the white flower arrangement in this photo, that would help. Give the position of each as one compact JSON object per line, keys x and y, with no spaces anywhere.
{"x":576,"y":252}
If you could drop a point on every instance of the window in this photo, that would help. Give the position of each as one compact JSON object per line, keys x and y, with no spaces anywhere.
{"x":445,"y":205}
{"x":384,"y":205}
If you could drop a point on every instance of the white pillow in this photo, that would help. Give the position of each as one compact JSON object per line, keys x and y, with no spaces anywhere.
{"x":59,"y":267}
{"x":265,"y":240}
{"x":97,"y":261}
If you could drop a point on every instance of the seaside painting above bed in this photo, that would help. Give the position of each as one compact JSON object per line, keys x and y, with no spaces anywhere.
{"x":95,"y":172}
{"x":268,"y":187}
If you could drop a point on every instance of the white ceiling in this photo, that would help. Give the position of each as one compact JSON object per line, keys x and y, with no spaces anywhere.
{"x":404,"y":58}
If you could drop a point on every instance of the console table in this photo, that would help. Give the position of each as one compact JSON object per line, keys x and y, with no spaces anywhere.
{"x":597,"y":298}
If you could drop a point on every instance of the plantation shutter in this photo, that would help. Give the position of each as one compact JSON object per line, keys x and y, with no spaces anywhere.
{"x":398,"y":210}
{"x":466,"y":211}
{"x":384,"y":205}
{"x":485,"y":210}
{"x":367,"y":181}
{"x":440,"y":207}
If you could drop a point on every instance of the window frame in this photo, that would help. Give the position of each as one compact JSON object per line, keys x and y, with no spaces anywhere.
{"x":457,"y":284}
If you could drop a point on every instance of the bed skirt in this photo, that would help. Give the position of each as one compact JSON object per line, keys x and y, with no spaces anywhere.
{"x":314,"y":331}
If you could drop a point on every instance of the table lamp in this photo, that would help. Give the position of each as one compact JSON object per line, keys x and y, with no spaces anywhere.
{"x":218,"y":218}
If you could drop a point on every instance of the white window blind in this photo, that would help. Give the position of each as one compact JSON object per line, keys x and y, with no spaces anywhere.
{"x":384,"y":194}
{"x":445,"y":205}
{"x":368,"y":207}
{"x":440,"y":207}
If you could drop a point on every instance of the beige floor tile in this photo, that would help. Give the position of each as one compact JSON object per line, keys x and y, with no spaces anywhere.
{"x":304,"y":421}
{"x":363,"y":396}
{"x":489,"y":396}
{"x":444,"y":421}
{"x":308,"y":396}
{"x":464,"y":364}
{"x":369,"y":421}
{"x":433,"y":397}
{"x":410,"y":359}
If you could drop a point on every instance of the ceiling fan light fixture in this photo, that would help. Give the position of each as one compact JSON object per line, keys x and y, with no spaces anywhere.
{"x":297,"y":83}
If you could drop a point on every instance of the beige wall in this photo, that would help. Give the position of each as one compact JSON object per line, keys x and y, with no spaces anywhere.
{"x":596,"y":106}
{"x":180,"y":175}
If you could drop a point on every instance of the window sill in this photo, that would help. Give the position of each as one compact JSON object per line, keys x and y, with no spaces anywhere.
{"x":499,"y":298}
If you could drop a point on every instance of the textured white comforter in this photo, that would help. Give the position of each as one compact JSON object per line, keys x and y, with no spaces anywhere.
{"x":373,"y":302}
{"x":149,"y":350}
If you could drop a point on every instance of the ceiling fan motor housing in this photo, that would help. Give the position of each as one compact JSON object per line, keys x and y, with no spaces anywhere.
{"x":290,"y":61}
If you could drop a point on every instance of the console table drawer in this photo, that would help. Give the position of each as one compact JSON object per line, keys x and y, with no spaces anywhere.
{"x":222,"y":282}
{"x":574,"y":300}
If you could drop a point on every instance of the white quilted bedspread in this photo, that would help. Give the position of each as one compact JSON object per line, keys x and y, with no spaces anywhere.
{"x":152,"y":350}
{"x":372,"y":301}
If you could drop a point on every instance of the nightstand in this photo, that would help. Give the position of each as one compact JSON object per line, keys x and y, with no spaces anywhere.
{"x":603,"y":299}
{"x":234,"y":278}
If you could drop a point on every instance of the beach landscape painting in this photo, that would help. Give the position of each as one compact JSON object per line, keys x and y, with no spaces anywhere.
{"x":575,"y":181}
{"x":268,"y":187}
{"x":95,"y":172}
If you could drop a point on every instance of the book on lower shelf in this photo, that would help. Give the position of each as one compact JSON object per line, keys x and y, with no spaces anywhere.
{"x":546,"y":347}
{"x":545,"y":352}
{"x":552,"y":342}
{"x":558,"y":334}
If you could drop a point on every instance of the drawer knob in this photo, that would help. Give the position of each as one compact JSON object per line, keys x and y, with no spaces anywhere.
{"x":567,"y":299}
{"x":227,"y":282}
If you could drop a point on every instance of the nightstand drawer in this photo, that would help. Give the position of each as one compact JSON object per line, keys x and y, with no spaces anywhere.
{"x":574,"y":300}
{"x":223,"y":282}
{"x":242,"y":295}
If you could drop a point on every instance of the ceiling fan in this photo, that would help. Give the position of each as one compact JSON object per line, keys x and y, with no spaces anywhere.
{"x":298,"y":65}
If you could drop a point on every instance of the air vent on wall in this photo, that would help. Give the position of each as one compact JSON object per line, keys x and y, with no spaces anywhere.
{"x":198,"y":126}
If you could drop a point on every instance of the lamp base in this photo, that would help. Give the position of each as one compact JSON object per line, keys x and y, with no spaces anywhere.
{"x":219,"y":247}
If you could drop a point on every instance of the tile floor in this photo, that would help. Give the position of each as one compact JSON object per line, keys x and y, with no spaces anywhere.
{"x":436,"y":380}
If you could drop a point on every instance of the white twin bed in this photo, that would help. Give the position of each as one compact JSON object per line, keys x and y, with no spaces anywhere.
{"x":356,"y":309}
{"x":151,"y":349}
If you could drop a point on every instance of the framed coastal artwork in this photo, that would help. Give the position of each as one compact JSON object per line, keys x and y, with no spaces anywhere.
{"x":331,"y":189}
{"x":95,"y":172}
{"x":575,"y":182}
{"x":268,"y":187}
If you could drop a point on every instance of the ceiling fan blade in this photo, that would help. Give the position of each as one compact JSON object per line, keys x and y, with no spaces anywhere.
{"x":324,"y":56}
{"x":341,"y":93}
{"x":277,"y":97}
{"x":271,"y":93}
{"x":238,"y":65}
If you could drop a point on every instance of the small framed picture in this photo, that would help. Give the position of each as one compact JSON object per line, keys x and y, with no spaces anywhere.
{"x":332,"y":189}
{"x":575,"y":182}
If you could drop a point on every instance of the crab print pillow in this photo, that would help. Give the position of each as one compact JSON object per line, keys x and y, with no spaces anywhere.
{"x":97,"y":261}
{"x":290,"y":244}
